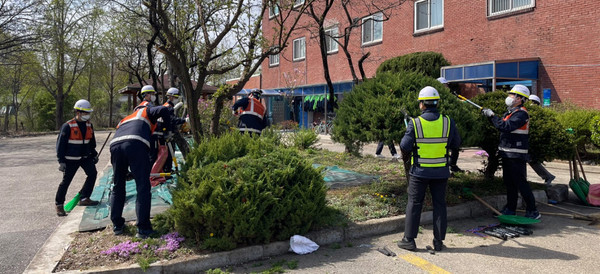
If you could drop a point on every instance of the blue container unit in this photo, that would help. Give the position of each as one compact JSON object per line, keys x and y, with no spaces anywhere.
{"x":546,"y":97}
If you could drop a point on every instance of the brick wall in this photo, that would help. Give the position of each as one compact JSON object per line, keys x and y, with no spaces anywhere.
{"x":565,"y":35}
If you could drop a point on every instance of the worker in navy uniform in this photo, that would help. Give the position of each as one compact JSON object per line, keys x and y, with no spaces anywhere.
{"x":428,"y":138}
{"x":76,"y":147}
{"x":514,"y":151}
{"x":148,"y":95}
{"x":172,"y":99}
{"x":129,"y":148}
{"x":251,"y":112}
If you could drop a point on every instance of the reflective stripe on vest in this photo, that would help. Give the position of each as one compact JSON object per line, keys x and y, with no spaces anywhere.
{"x":249,"y":129}
{"x":256,"y":109}
{"x":75,"y":137}
{"x":432,"y":140}
{"x":522,"y":130}
{"x":138,"y":115}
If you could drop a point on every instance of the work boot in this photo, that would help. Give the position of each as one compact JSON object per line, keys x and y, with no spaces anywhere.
{"x":533,"y":214}
{"x":144,"y":233}
{"x":379,"y":156}
{"x":408,"y":244}
{"x":438,"y":245}
{"x":60,"y":210}
{"x":506,"y":211}
{"x":88,"y":202}
{"x":118,"y":230}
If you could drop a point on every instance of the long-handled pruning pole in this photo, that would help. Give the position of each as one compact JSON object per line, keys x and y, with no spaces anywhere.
{"x":467,"y":100}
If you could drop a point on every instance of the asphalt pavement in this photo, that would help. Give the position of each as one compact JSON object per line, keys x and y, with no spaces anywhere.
{"x":31,"y":178}
{"x":30,"y":225}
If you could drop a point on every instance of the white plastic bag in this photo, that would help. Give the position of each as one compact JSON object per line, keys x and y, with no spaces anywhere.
{"x":302,"y":245}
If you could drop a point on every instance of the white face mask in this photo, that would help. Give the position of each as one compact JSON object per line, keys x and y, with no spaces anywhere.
{"x":85,"y":117}
{"x":175,"y":101}
{"x":509,"y":101}
{"x":152,"y":98}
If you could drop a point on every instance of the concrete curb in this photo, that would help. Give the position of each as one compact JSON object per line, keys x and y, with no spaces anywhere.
{"x":52,"y":251}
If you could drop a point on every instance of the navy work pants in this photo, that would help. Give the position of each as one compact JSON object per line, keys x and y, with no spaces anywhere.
{"x":416,"y":194}
{"x":88,"y":166}
{"x":131,"y":154}
{"x":514,"y":173}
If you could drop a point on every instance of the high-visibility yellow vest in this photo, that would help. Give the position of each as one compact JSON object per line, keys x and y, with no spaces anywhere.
{"x":432,"y":140}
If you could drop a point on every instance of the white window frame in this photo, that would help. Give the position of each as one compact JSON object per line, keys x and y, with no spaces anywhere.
{"x":429,"y":26}
{"x":510,"y":8}
{"x":299,"y":42}
{"x":377,"y":21}
{"x":298,"y":3}
{"x":274,"y":10}
{"x":330,"y":41}
{"x":274,"y":60}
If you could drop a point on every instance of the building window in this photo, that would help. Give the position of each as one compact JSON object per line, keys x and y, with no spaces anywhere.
{"x":504,"y":6}
{"x":273,"y":10}
{"x":299,"y":49}
{"x":429,"y":14}
{"x":273,"y":60}
{"x":372,"y":28}
{"x":330,"y":39}
{"x":298,"y":3}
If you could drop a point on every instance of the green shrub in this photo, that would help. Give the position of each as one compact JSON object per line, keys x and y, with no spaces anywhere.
{"x":371,"y":112}
{"x":580,"y":120}
{"x":595,"y":130}
{"x":304,"y":138}
{"x":428,"y":63}
{"x":238,"y":190}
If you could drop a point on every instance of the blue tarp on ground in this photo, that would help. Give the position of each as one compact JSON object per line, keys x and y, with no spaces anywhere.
{"x":98,"y":217}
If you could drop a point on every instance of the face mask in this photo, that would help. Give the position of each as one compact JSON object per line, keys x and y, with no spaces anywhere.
{"x":175,"y":100}
{"x":509,"y":101}
{"x":152,"y":98}
{"x":85,"y":117}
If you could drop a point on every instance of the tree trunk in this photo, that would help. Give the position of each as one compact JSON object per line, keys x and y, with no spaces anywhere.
{"x":6,"y":116}
{"x":360,"y":66}
{"x":60,"y":104}
{"x":214,"y":123}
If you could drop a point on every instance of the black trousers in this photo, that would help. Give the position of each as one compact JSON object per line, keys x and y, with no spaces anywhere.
{"x":88,"y":166}
{"x":390,"y":146}
{"x":514,"y":173}
{"x":130,"y":154}
{"x":416,"y":194}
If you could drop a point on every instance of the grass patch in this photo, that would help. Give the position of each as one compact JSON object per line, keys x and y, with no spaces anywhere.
{"x":387,"y":196}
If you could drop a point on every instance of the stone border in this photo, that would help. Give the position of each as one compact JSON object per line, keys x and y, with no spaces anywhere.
{"x":251,"y":253}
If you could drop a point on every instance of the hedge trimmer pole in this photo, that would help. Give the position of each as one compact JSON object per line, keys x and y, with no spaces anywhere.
{"x":467,"y":100}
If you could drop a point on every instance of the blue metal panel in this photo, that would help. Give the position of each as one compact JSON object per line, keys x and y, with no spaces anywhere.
{"x":479,"y":71}
{"x":528,"y":69}
{"x":453,"y":74}
{"x":507,"y":70}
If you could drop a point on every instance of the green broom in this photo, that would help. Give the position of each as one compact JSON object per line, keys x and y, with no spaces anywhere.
{"x":71,"y":204}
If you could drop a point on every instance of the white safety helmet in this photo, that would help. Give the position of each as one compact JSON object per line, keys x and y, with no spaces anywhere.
{"x":173,"y":92}
{"x":429,"y":93}
{"x":147,"y":89}
{"x":535,"y":98}
{"x":520,"y":90}
{"x":442,"y":80}
{"x":83,"y":105}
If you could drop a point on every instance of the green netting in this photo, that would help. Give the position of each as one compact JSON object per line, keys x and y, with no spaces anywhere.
{"x":336,"y":177}
{"x":97,"y":217}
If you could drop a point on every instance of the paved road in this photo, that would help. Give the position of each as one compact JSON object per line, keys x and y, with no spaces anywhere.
{"x":31,"y":178}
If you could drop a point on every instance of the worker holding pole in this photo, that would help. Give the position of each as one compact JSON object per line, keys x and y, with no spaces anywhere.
{"x":513,"y":149}
{"x":76,"y":147}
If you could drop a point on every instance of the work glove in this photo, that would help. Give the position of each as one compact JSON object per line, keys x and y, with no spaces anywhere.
{"x":62,"y":167}
{"x":487,"y":112}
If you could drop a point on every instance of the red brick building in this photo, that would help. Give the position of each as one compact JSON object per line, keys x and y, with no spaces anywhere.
{"x":551,"y":45}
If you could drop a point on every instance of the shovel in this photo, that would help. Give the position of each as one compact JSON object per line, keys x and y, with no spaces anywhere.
{"x":505,"y":219}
